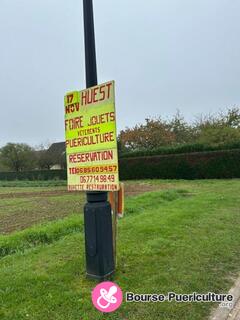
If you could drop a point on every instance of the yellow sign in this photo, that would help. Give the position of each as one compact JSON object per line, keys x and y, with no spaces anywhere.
{"x":91,"y":139}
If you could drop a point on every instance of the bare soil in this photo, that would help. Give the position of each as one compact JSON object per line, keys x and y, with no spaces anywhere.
{"x":38,"y":207}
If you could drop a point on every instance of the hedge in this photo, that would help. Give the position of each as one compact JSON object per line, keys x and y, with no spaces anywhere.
{"x":184,"y":148}
{"x":199,"y":165}
{"x":34,"y":175}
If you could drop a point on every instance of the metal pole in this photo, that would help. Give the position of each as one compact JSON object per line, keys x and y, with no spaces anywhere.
{"x":97,"y":210}
{"x":90,"y":51}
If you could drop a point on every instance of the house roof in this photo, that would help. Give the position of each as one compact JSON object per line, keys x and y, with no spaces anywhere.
{"x":57,"y":148}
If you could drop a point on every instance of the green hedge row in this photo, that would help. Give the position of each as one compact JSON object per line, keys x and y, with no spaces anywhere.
{"x":199,"y":165}
{"x":202,"y":165}
{"x":185,"y":148}
{"x":34,"y":175}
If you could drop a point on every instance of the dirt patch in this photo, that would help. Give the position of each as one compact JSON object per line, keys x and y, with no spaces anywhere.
{"x":43,"y":206}
{"x":33,"y":194}
{"x":17,"y":222}
{"x":130,"y":189}
{"x":41,"y":209}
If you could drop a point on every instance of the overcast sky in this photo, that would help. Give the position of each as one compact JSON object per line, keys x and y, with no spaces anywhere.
{"x":163,"y":54}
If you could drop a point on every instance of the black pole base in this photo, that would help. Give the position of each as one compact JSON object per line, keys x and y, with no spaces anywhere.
{"x":98,"y":236}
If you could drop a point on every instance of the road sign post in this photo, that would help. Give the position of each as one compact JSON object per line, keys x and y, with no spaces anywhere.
{"x":97,"y":211}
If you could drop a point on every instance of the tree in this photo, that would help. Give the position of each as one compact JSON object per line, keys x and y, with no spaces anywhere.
{"x":213,"y":129}
{"x":154,"y":133}
{"x":217,"y":136}
{"x":3,"y":168}
{"x":18,"y":157}
{"x":52,"y":154}
{"x":45,"y":159}
{"x":222,"y":128}
{"x":183,"y":132}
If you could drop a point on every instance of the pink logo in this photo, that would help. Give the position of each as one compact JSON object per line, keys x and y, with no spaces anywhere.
{"x":107,"y":296}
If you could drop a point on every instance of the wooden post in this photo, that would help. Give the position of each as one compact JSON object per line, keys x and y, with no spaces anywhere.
{"x":113,"y":199}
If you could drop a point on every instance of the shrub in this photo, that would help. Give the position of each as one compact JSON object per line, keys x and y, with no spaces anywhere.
{"x":197,"y":165}
{"x":34,"y":175}
{"x":184,"y":148}
{"x":202,"y":165}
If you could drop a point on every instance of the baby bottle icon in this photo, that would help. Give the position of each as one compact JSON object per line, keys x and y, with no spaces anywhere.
{"x":107,"y":298}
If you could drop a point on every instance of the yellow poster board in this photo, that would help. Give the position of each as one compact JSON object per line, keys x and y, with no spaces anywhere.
{"x":91,"y":139}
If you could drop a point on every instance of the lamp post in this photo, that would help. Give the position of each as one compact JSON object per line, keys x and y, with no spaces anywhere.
{"x":97,"y":210}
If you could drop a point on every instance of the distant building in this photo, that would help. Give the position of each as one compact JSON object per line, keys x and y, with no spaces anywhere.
{"x":57,"y":155}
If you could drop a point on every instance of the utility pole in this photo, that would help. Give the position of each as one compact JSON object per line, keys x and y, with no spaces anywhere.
{"x":97,"y":210}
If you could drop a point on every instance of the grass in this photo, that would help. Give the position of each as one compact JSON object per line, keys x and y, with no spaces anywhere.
{"x":182,"y":239}
{"x":37,"y":235}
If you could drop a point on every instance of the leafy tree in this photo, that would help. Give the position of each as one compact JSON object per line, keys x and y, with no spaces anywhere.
{"x":233,"y":118}
{"x":218,"y":136}
{"x":18,"y":157}
{"x":183,"y":132}
{"x":212,"y":129}
{"x":222,"y":128}
{"x":2,"y":167}
{"x":154,"y":133}
{"x":45,"y":159}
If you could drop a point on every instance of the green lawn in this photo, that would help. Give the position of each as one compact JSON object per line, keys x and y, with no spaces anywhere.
{"x":183,"y":238}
